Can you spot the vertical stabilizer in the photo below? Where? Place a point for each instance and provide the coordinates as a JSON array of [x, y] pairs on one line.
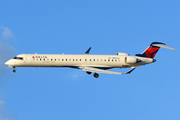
[[151, 51]]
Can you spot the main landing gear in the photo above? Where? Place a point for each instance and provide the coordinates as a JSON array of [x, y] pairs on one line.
[[95, 74], [14, 69], [88, 72]]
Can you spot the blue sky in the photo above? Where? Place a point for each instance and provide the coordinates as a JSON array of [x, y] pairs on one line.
[[71, 27]]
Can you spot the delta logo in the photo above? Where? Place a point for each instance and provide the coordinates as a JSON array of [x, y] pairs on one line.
[[39, 57]]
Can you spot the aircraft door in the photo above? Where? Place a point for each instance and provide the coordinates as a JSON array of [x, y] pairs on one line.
[[28, 59]]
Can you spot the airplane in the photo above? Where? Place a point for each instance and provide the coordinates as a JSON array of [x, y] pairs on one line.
[[89, 63]]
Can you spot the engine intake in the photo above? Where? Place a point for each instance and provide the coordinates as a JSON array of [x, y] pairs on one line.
[[123, 54]]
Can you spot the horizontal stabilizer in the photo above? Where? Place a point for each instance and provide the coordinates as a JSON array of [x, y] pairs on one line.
[[163, 46]]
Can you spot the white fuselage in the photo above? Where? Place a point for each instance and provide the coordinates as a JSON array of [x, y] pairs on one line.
[[77, 61], [89, 63]]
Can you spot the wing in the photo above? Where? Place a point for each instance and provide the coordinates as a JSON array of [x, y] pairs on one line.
[[97, 70], [87, 52]]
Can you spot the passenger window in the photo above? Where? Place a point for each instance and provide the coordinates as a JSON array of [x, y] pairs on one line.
[[51, 59], [66, 59], [44, 59], [62, 59]]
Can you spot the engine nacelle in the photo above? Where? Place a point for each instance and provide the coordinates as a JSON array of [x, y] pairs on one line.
[[124, 54], [131, 60]]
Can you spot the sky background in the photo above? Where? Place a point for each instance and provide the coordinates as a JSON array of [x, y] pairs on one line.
[[150, 92]]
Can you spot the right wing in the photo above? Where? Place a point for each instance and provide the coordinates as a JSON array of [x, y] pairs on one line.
[[87, 52]]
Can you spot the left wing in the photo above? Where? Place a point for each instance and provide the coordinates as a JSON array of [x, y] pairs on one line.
[[97, 70]]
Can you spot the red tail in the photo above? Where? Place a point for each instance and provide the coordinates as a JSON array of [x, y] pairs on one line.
[[151, 51]]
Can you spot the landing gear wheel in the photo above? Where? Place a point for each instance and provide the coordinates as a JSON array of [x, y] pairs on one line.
[[96, 75], [88, 72], [14, 69]]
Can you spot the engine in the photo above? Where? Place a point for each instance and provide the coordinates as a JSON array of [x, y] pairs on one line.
[[124, 54], [131, 60]]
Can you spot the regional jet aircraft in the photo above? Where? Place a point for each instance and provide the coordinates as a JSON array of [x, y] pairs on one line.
[[89, 63]]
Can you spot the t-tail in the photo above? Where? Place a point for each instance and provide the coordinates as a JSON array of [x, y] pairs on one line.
[[151, 51]]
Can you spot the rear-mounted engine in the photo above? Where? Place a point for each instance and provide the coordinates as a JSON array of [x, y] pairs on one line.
[[131, 60]]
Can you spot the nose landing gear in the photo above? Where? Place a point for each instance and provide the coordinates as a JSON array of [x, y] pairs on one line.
[[14, 69]]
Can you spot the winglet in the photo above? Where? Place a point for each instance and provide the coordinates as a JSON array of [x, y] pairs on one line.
[[87, 52], [130, 71]]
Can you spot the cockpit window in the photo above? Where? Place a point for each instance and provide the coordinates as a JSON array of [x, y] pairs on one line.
[[18, 58]]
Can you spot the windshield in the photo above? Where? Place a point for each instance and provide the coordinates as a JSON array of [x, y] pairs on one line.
[[19, 58]]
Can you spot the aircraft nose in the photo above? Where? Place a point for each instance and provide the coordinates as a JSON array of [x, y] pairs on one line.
[[9, 63]]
